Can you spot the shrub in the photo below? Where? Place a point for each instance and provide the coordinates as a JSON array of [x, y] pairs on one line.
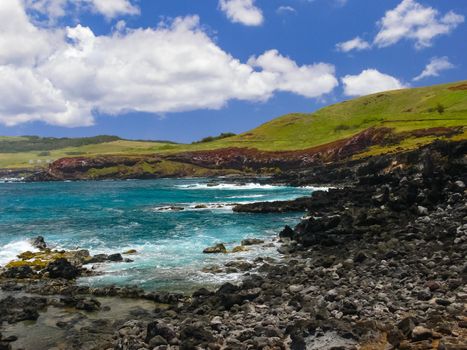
[[214, 138]]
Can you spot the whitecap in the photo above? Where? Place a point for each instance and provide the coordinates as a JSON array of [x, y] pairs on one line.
[[230, 186], [10, 251], [245, 196]]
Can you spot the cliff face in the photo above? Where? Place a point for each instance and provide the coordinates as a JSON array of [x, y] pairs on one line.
[[228, 160]]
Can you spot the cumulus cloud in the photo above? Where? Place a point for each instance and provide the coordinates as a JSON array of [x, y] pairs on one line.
[[408, 21], [113, 8], [66, 76], [436, 65], [413, 21], [368, 82], [54, 9], [286, 75], [242, 11], [357, 44]]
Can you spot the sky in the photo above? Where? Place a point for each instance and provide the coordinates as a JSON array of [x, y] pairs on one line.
[[181, 70]]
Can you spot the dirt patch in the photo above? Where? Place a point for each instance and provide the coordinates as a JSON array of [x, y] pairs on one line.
[[459, 87], [440, 131]]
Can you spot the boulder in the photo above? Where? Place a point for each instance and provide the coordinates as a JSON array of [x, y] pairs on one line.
[[239, 249], [88, 304], [421, 333], [115, 257], [157, 328], [216, 249], [287, 232], [195, 336], [62, 268], [39, 243], [252, 241], [98, 258]]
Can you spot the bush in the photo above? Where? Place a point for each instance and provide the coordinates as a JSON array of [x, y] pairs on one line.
[[341, 127], [214, 138], [439, 108]]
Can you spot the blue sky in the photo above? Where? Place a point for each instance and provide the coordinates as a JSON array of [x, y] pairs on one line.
[[184, 69]]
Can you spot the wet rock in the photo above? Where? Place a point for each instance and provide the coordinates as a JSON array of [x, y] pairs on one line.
[[39, 243], [287, 233], [88, 305], [239, 249], [157, 341], [443, 302], [13, 310], [216, 249], [115, 257], [192, 336], [19, 272], [5, 345], [159, 329], [212, 269], [130, 252], [240, 265], [62, 268], [407, 325], [421, 333], [252, 241], [98, 258]]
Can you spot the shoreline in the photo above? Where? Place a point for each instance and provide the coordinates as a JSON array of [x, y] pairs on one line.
[[379, 265]]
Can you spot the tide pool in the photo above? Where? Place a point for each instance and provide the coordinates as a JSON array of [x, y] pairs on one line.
[[169, 222]]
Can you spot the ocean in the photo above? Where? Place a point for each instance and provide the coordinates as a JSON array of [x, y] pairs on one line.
[[168, 222]]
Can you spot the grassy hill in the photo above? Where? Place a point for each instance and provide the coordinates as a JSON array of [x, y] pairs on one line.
[[403, 110]]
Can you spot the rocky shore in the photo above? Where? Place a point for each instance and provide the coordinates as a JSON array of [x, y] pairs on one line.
[[378, 263]]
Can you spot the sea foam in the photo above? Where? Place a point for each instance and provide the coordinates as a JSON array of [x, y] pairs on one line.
[[230, 186], [10, 251]]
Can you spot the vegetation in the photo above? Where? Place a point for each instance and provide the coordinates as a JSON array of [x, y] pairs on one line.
[[36, 143], [403, 110], [223, 135]]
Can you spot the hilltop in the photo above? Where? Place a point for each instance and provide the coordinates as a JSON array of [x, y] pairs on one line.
[[386, 122]]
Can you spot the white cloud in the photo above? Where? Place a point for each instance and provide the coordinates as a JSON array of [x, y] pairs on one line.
[[51, 8], [286, 75], [20, 41], [354, 44], [114, 8], [285, 9], [54, 9], [66, 76], [28, 96], [242, 11], [436, 65], [413, 21], [368, 82]]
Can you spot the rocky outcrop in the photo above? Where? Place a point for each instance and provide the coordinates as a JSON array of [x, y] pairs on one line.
[[216, 249], [231, 160]]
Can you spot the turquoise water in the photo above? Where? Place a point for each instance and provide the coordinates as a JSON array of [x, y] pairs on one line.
[[115, 216]]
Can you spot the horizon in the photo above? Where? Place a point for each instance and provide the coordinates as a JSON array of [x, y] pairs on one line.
[[250, 62]]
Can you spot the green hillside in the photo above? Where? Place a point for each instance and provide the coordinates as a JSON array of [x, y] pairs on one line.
[[403, 110]]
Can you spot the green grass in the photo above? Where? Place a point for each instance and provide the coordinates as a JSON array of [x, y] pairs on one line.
[[403, 110]]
